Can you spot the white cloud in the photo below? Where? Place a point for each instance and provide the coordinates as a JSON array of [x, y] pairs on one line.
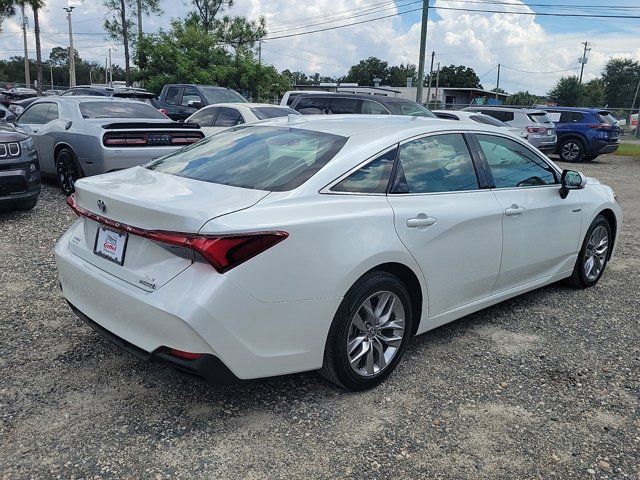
[[479, 41]]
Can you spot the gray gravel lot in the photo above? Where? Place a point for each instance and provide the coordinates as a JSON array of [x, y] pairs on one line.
[[546, 385]]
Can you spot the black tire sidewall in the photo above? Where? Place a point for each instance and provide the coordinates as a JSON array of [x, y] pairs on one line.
[[337, 342], [599, 220], [577, 142], [71, 158]]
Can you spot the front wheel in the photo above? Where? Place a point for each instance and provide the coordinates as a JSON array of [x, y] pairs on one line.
[[369, 332], [68, 171], [594, 254], [571, 150]]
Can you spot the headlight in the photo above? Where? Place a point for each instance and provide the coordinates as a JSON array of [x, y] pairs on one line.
[[27, 144]]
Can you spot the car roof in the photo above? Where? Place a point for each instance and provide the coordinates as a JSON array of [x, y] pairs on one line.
[[574, 109], [498, 108], [195, 85], [349, 125], [243, 105], [364, 96]]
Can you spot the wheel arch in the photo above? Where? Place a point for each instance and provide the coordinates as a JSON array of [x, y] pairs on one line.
[[411, 281], [613, 223], [572, 136], [61, 146]]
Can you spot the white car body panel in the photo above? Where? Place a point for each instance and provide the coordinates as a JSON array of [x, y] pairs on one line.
[[271, 315]]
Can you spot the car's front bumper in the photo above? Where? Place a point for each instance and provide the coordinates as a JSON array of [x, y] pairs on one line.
[[17, 182], [201, 311]]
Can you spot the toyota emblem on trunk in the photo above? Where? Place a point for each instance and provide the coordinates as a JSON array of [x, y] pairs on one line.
[[102, 206]]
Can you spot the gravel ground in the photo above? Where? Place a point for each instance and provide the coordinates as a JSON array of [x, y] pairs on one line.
[[543, 386]]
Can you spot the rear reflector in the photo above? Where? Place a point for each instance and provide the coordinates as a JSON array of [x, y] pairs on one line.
[[223, 252], [183, 355]]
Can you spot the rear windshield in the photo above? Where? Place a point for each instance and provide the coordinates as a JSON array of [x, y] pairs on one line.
[[272, 112], [539, 117], [261, 158], [408, 108], [130, 109], [222, 95], [486, 119], [606, 117]]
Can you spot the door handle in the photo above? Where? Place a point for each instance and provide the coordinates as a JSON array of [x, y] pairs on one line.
[[514, 210], [421, 221]]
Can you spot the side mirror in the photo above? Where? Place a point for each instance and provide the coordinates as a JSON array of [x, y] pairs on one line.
[[194, 103], [571, 180]]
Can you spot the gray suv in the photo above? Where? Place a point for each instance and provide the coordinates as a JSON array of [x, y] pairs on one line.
[[541, 130]]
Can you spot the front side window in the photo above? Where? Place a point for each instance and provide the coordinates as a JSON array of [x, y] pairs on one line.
[[261, 158], [311, 105], [222, 95], [438, 163], [343, 105], [513, 164], [370, 107], [35, 114], [204, 117], [190, 94], [228, 117], [372, 178]]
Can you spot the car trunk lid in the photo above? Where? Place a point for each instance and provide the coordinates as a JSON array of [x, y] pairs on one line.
[[117, 205]]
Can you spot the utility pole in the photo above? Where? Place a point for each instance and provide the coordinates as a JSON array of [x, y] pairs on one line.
[[423, 47], [633, 105], [105, 71], [433, 56], [437, 84], [51, 70], [72, 60], [110, 71], [583, 60], [498, 82], [259, 52], [27, 75], [139, 2]]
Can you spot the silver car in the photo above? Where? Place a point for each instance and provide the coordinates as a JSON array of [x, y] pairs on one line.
[[541, 130], [81, 136]]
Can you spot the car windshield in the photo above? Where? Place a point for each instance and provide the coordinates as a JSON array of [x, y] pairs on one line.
[[222, 95], [125, 109], [408, 108], [488, 120], [272, 112], [539, 118], [261, 158]]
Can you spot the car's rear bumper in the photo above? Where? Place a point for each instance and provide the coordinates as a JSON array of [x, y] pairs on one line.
[[606, 148], [204, 312]]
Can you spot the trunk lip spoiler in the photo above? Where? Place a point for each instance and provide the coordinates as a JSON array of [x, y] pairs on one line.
[[151, 125]]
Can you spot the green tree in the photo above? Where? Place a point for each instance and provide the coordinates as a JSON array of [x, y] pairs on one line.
[[620, 77], [568, 92], [594, 93], [119, 25], [7, 9], [398, 75], [366, 70], [456, 76], [524, 99]]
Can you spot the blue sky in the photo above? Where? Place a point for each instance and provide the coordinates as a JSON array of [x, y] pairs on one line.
[[547, 46]]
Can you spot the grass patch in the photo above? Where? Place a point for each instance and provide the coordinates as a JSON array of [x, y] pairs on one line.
[[628, 150]]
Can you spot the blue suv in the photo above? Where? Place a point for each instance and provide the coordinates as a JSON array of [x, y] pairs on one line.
[[583, 133]]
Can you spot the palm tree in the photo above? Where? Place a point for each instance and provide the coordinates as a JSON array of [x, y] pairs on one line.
[[7, 9], [36, 5]]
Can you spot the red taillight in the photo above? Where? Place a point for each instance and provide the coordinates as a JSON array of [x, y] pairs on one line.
[[536, 129], [600, 125], [184, 355], [115, 139], [223, 252]]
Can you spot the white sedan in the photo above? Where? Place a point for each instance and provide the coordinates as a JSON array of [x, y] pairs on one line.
[[220, 116], [324, 242], [478, 117]]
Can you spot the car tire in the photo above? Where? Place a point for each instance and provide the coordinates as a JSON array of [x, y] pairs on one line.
[[594, 254], [571, 150], [360, 353], [68, 170]]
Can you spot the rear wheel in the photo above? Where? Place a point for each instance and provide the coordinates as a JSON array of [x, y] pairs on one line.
[[369, 332], [593, 255], [571, 150], [68, 170]]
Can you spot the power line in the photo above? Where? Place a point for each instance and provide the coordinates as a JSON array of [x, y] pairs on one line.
[[527, 71]]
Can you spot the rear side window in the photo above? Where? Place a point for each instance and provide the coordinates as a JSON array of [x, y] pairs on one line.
[[408, 108], [487, 120], [261, 158], [542, 117], [124, 109], [438, 163], [52, 114], [372, 178], [372, 108], [343, 105], [500, 115], [228, 117], [172, 95]]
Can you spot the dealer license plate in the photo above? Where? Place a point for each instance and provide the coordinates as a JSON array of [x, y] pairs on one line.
[[111, 245]]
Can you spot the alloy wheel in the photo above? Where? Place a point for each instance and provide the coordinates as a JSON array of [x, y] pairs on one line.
[[67, 174], [596, 253], [570, 151], [375, 333]]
